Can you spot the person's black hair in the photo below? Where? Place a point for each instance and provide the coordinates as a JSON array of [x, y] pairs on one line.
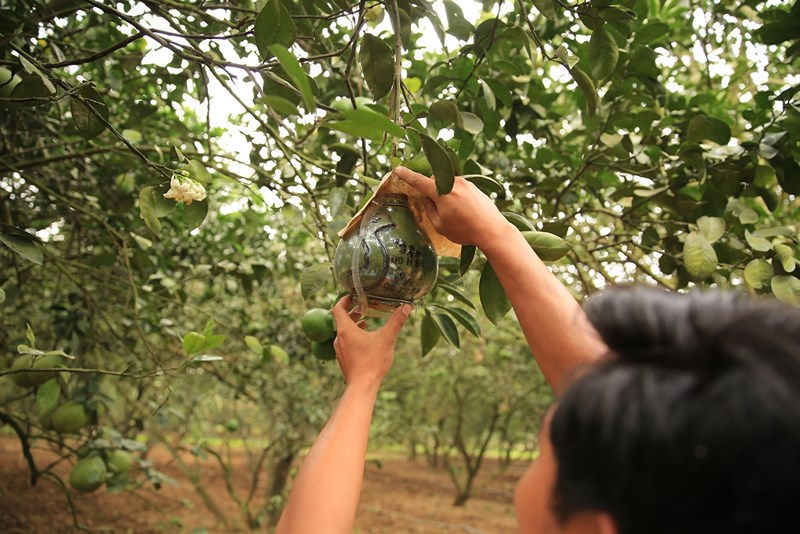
[[693, 423]]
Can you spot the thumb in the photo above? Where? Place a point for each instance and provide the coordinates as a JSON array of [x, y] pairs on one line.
[[397, 320]]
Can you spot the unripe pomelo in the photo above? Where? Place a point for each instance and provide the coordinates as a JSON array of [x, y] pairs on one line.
[[29, 380], [317, 325], [323, 351], [88, 474], [232, 425], [119, 461], [69, 417]]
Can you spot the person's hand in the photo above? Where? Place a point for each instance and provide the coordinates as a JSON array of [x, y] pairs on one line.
[[464, 215], [365, 357]]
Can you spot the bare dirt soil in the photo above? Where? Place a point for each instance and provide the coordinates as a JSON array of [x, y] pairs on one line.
[[399, 496]]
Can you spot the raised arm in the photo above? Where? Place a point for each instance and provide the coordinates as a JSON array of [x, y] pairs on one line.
[[554, 325], [325, 494]]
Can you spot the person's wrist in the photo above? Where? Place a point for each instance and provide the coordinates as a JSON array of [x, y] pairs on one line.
[[365, 383], [493, 235]]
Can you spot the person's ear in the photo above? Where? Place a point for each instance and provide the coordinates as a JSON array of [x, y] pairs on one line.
[[592, 522], [606, 524]]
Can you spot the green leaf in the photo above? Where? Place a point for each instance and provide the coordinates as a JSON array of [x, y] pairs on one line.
[[522, 224], [789, 176], [487, 184], [213, 341], [31, 337], [198, 171], [454, 161], [549, 247], [24, 349], [195, 213], [279, 355], [147, 208], [703, 128], [193, 342], [466, 319], [85, 105], [2, 296], [455, 292], [377, 65], [699, 256], [374, 119], [440, 162], [652, 31], [447, 328], [757, 242], [712, 228], [429, 333], [314, 278], [746, 214], [357, 129], [337, 198], [613, 13], [494, 300], [273, 25], [32, 87], [292, 213], [47, 396], [545, 7], [467, 255], [23, 244], [758, 273], [588, 89], [254, 345], [603, 53], [786, 256], [298, 76], [132, 136], [280, 105], [447, 110], [413, 84], [471, 123], [786, 289], [489, 95], [777, 32]]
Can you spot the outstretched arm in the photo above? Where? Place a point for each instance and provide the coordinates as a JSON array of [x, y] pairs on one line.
[[555, 327], [325, 493]]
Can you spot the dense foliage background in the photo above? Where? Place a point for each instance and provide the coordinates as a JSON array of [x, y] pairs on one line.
[[658, 138]]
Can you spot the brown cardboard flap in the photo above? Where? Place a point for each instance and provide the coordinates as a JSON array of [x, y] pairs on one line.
[[391, 184]]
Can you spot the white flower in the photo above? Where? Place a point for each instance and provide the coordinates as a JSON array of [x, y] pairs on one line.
[[185, 190]]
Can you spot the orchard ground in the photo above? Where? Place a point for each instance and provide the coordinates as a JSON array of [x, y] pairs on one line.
[[399, 496]]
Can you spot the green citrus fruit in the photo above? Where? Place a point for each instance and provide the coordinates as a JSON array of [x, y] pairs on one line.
[[69, 417], [323, 351], [317, 325], [119, 461], [232, 425], [26, 361], [88, 474]]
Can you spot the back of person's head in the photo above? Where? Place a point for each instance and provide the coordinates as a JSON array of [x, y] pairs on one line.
[[693, 424]]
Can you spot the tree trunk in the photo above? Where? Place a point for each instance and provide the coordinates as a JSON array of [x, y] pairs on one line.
[[280, 476], [461, 498], [411, 454]]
